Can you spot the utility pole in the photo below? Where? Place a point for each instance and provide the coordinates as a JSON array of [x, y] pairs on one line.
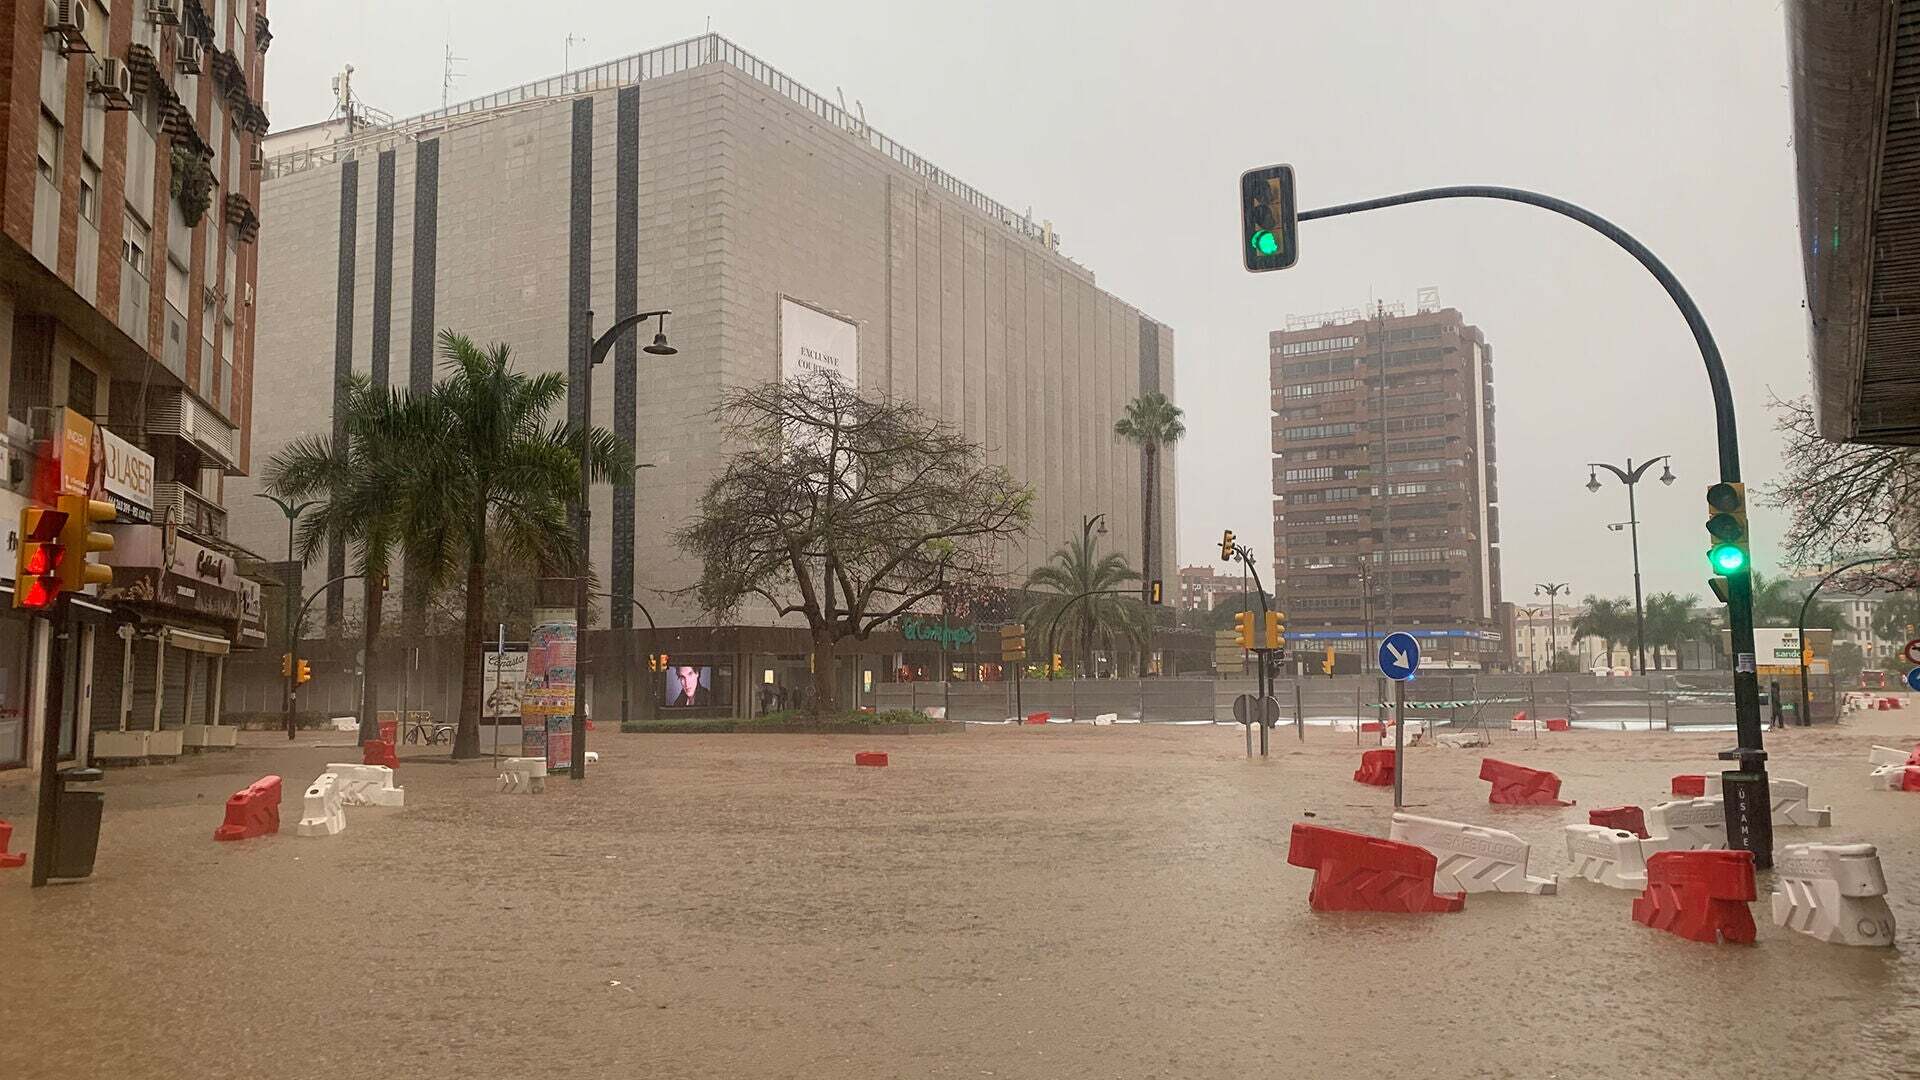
[[1386, 482]]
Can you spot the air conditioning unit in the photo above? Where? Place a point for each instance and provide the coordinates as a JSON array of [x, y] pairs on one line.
[[188, 55], [113, 81], [257, 159], [164, 12], [68, 18]]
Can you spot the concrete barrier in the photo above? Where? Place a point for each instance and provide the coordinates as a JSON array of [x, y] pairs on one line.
[[323, 815], [1687, 825], [1836, 893], [1610, 857], [1790, 806], [528, 774], [366, 785], [1472, 858], [1879, 755], [253, 811]]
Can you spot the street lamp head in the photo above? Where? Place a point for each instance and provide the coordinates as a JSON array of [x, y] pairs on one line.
[[660, 346], [1666, 474], [1102, 530], [1593, 480]]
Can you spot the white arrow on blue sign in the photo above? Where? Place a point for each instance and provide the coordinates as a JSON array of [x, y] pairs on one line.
[[1399, 656], [1913, 680]]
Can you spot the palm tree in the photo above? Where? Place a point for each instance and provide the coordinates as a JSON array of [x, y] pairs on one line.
[[1671, 623], [1609, 620], [1150, 422], [1075, 570], [1776, 602], [472, 461]]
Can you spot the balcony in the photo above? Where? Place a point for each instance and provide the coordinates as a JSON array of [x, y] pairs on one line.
[[195, 513], [173, 412]]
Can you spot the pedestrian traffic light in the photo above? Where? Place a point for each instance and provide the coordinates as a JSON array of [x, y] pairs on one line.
[[286, 664], [79, 570], [1727, 525], [1269, 233], [1276, 630], [1243, 629], [305, 676], [1013, 642], [37, 561], [1226, 546], [1153, 591]]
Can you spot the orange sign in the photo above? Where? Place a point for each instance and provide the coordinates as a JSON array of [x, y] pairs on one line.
[[71, 459]]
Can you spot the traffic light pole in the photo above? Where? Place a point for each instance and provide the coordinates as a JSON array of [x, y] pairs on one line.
[[1800, 624], [59, 624], [1748, 805], [293, 641]]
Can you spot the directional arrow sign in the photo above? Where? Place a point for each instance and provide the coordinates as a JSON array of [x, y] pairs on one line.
[[1399, 656], [1913, 680]]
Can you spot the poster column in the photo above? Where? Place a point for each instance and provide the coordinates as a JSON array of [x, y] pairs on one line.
[[546, 703]]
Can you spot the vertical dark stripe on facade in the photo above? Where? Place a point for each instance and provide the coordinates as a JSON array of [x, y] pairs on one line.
[[426, 252], [579, 272], [382, 345], [343, 360], [626, 301], [1149, 355]]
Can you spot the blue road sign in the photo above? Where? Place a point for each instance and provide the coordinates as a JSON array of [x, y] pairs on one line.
[[1399, 656], [1913, 680]]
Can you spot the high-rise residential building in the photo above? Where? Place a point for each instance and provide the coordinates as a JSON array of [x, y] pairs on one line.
[[1385, 512], [774, 224], [1203, 586], [127, 217]]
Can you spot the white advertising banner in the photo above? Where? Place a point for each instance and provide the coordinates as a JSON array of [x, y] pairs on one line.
[[813, 340], [129, 477]]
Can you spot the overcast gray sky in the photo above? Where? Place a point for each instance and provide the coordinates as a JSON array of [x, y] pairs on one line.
[[1128, 125]]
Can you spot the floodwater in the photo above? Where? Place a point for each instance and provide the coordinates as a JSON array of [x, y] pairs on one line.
[[1053, 902]]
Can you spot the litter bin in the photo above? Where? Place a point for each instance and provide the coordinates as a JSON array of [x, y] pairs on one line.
[[76, 822]]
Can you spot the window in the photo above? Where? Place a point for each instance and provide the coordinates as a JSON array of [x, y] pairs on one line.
[[90, 192], [1303, 348], [1320, 431], [138, 246], [50, 133], [176, 284], [1320, 472], [83, 388], [1332, 386]]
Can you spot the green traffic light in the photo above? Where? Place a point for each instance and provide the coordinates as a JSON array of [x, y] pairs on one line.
[[1266, 243], [1727, 559]]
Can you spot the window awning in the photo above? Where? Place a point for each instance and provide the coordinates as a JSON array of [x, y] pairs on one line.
[[200, 643]]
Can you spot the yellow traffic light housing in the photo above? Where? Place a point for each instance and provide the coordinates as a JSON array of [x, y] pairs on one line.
[[286, 664], [1226, 546], [1153, 591], [38, 562], [1326, 666], [305, 675], [1243, 629], [81, 541], [1276, 630]]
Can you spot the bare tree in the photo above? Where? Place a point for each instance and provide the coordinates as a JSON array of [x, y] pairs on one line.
[[1842, 498], [845, 510]]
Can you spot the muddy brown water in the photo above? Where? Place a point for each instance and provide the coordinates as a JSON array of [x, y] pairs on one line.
[[1052, 903]]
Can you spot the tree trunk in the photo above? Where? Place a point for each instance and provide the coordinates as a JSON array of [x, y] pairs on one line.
[[1150, 473], [370, 668], [826, 688], [473, 631]]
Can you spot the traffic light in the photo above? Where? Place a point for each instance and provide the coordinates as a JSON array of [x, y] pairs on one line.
[[1226, 546], [305, 676], [1153, 591], [1727, 525], [1013, 642], [1269, 231], [76, 533], [1276, 630], [1243, 629], [1057, 664], [37, 562], [1326, 666], [286, 664]]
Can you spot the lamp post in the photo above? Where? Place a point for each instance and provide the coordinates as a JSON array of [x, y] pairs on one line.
[[292, 510], [1630, 476], [1531, 613], [1552, 590], [1087, 534], [596, 353]]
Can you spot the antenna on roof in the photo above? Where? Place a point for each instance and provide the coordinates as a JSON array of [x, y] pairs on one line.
[[448, 74]]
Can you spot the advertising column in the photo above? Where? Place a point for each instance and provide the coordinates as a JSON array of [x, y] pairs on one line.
[[546, 702]]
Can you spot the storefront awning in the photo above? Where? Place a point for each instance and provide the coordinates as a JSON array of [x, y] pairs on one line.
[[201, 643]]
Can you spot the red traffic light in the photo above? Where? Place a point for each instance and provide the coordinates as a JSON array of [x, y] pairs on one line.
[[43, 559], [38, 596]]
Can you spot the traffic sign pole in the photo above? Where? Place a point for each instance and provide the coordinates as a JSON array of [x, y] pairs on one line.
[[1399, 741], [1399, 660]]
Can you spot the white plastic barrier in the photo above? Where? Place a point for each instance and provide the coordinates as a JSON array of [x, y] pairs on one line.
[[528, 774], [1833, 892], [1105, 718], [1891, 776], [323, 815], [1611, 857], [1472, 858], [1887, 755], [1790, 806], [1461, 740], [1687, 825], [367, 785], [593, 757]]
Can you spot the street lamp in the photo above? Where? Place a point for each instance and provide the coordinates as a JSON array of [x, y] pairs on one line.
[[293, 510], [1531, 613], [1630, 476], [1552, 590], [596, 353]]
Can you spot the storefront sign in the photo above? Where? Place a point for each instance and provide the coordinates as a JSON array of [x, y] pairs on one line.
[[11, 504], [154, 564], [129, 477], [546, 701], [66, 458], [812, 340], [922, 630]]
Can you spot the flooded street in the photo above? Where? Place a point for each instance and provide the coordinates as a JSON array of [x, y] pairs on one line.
[[1053, 903]]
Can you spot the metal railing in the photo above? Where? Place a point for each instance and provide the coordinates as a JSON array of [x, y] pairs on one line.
[[657, 63]]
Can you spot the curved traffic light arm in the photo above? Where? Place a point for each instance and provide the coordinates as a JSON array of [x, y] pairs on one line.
[[1800, 623], [1054, 623]]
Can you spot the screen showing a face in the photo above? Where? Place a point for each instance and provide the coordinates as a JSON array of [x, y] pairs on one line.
[[689, 685]]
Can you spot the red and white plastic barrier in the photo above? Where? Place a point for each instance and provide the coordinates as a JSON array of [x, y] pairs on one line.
[[524, 774], [1689, 785], [1897, 777], [1376, 768], [323, 815], [378, 752], [15, 860], [253, 811], [1699, 895], [1887, 755], [1790, 806], [366, 785], [1472, 858], [1355, 872], [1610, 857], [1628, 818], [1834, 892], [874, 758], [1687, 824], [1518, 785]]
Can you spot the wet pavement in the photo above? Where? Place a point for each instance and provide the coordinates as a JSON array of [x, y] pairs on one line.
[[1012, 902]]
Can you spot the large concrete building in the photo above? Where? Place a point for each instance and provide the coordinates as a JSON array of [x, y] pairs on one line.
[[130, 136], [1385, 511], [697, 178]]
